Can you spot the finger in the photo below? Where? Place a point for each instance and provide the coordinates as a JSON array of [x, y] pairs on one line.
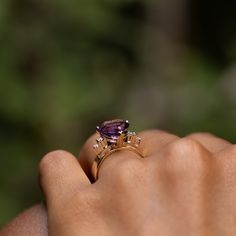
[[31, 222], [227, 163], [152, 140], [228, 153], [210, 142], [87, 155], [60, 176]]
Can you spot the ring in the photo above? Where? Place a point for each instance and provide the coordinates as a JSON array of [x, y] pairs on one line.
[[114, 136]]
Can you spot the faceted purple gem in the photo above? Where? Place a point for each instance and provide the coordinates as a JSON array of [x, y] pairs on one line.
[[113, 128]]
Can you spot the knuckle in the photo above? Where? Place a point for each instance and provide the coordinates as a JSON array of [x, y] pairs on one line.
[[52, 160], [186, 146], [186, 156]]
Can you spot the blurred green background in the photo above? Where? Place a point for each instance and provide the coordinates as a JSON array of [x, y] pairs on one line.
[[67, 65]]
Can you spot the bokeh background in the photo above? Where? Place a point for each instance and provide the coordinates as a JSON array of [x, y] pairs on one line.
[[66, 65]]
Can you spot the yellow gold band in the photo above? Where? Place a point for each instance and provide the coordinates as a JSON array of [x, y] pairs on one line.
[[114, 136], [99, 160]]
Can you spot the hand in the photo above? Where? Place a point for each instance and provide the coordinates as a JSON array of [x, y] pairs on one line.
[[183, 186]]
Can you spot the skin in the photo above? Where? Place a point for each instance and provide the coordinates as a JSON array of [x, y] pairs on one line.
[[183, 186]]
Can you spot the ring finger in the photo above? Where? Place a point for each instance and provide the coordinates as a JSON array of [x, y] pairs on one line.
[[152, 141]]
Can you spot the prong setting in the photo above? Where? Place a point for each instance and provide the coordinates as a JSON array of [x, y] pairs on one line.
[[104, 145]]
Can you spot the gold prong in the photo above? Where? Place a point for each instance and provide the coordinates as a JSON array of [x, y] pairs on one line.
[[128, 137], [120, 140], [133, 139]]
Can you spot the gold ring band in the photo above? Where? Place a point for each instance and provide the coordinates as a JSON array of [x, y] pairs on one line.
[[98, 161], [114, 136]]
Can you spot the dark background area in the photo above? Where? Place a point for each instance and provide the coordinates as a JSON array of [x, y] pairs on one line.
[[67, 65]]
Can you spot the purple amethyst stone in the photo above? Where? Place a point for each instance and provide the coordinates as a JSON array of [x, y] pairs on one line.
[[113, 129]]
